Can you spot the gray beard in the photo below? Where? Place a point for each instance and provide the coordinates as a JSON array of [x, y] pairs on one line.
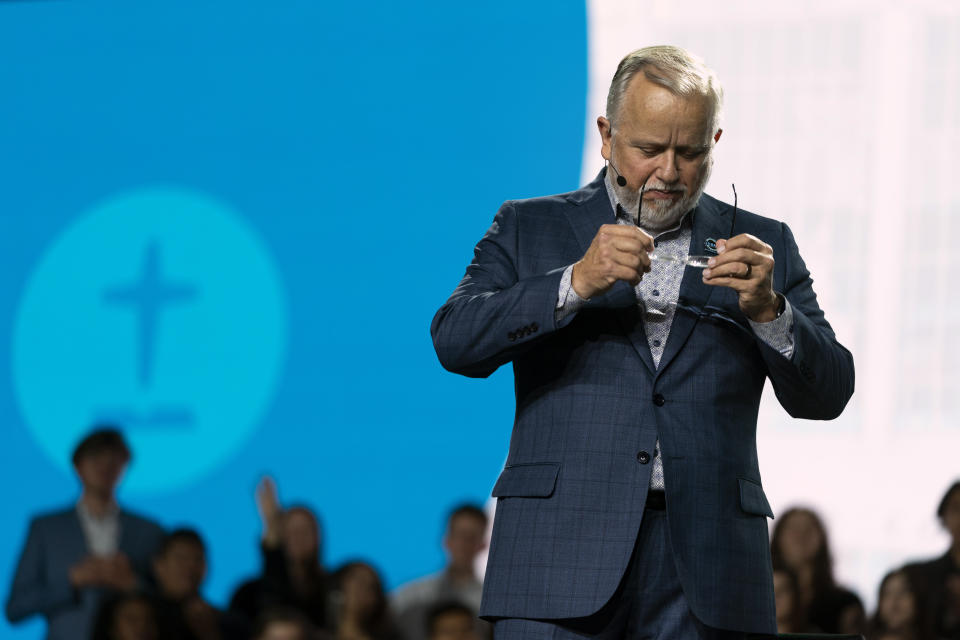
[[660, 217]]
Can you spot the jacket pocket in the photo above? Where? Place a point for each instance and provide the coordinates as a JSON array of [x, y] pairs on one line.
[[536, 480], [752, 498]]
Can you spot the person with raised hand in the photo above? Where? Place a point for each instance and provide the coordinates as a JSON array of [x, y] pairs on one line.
[[292, 574]]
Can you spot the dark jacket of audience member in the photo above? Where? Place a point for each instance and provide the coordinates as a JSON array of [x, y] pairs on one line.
[[937, 581], [293, 576], [275, 588]]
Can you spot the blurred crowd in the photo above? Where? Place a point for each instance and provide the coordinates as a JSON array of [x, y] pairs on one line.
[[918, 601], [97, 571]]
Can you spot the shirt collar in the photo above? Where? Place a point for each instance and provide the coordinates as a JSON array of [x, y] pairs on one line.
[[113, 512]]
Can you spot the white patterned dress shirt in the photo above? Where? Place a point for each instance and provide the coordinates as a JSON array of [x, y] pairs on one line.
[[657, 295]]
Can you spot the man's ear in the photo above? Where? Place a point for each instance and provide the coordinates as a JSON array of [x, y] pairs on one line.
[[603, 125], [716, 136]]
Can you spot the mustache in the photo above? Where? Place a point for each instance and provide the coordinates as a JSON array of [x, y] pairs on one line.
[[656, 185]]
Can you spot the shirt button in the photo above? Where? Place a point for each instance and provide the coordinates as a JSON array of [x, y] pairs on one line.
[[659, 400], [643, 457], [655, 292], [656, 343]]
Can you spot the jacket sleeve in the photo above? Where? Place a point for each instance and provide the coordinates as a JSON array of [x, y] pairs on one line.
[[818, 379], [31, 592], [494, 314]]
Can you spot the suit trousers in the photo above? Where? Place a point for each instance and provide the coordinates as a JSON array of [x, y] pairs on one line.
[[648, 604]]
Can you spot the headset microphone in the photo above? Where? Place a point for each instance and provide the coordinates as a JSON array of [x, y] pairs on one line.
[[620, 179], [623, 182]]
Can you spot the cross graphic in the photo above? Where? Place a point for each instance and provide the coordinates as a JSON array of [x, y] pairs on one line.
[[148, 297]]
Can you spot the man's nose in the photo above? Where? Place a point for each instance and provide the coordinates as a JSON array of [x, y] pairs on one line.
[[667, 167]]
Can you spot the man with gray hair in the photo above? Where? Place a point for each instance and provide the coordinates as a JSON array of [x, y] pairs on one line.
[[642, 319]]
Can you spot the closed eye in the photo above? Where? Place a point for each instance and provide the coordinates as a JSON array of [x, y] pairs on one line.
[[651, 151], [687, 153], [692, 154]]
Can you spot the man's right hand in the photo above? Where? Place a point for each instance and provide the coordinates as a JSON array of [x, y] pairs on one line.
[[104, 571], [618, 252], [86, 573]]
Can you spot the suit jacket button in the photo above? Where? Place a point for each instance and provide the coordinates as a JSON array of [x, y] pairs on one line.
[[643, 457], [535, 327], [512, 337], [659, 400]]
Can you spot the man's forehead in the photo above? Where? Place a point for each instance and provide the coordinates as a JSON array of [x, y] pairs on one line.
[[651, 110], [641, 131], [692, 132]]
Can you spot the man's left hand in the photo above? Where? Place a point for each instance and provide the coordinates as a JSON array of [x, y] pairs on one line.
[[745, 264], [118, 573]]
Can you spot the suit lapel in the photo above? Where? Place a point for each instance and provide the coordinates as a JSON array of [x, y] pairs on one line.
[[710, 220], [71, 538], [127, 541], [591, 210], [632, 322], [594, 210]]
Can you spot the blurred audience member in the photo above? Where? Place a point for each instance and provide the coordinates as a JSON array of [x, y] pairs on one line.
[[463, 541], [897, 616], [127, 617], [850, 616], [787, 597], [938, 581], [800, 544], [180, 567], [292, 575], [451, 621], [73, 558], [362, 612], [284, 623]]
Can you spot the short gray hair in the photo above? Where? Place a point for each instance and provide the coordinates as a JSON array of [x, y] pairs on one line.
[[677, 70]]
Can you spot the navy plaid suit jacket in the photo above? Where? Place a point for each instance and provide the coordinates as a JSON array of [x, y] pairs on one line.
[[571, 495]]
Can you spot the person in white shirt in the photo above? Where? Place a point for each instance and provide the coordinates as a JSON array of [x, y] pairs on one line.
[[458, 582], [75, 557]]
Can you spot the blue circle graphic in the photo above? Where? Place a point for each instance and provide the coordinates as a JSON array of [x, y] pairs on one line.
[[159, 310]]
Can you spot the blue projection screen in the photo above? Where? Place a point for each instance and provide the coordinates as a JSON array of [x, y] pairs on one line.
[[226, 226]]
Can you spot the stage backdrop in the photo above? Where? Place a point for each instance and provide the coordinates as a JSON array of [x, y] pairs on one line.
[[227, 225]]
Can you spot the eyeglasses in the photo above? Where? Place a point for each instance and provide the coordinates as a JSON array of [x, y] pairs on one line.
[[717, 315], [698, 262], [714, 314]]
